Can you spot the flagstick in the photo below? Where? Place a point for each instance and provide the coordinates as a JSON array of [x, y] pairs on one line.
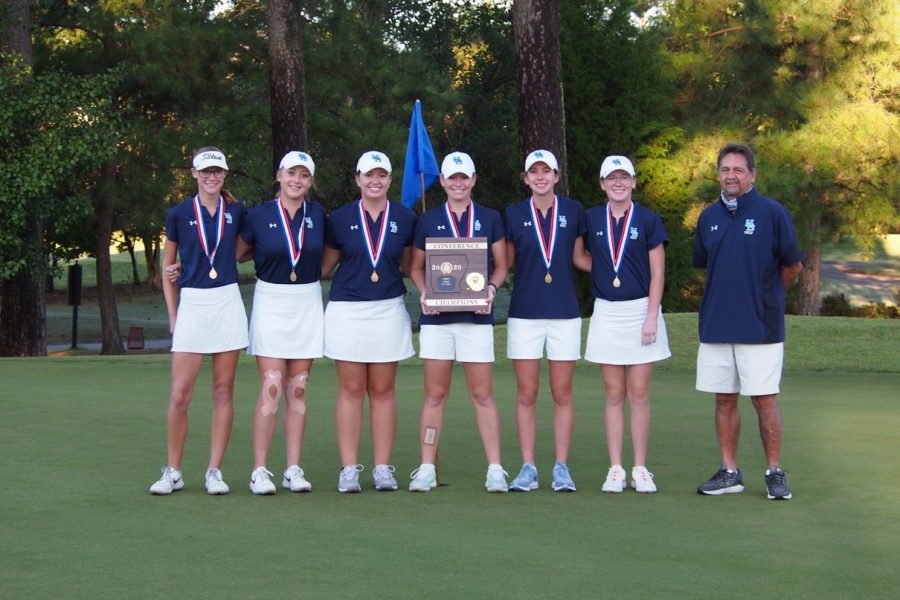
[[422, 176]]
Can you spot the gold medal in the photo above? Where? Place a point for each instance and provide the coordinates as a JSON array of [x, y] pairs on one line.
[[374, 277], [547, 278], [293, 276], [212, 273], [616, 282]]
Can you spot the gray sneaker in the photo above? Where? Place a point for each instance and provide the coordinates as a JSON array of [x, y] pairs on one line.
[[348, 480], [383, 477]]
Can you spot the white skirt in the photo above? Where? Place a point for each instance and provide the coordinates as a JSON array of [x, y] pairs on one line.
[[210, 321], [287, 321], [614, 334], [373, 331]]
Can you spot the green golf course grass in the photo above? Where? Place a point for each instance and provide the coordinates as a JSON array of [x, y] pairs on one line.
[[84, 437]]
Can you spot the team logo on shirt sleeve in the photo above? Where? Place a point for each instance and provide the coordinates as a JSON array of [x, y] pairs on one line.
[[749, 227]]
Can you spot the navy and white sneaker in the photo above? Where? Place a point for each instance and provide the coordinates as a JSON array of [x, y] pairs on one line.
[[724, 481], [776, 484]]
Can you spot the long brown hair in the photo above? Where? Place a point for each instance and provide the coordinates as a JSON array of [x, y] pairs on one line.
[[228, 196]]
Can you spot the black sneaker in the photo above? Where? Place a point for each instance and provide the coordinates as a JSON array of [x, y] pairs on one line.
[[723, 482], [776, 485]]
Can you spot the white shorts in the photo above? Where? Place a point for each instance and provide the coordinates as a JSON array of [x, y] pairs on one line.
[[373, 331], [210, 321], [527, 338], [287, 321], [465, 342], [748, 369], [614, 335]]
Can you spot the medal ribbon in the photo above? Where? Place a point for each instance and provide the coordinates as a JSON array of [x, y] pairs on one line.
[[201, 228], [374, 247], [294, 252], [617, 249], [452, 220], [545, 245]]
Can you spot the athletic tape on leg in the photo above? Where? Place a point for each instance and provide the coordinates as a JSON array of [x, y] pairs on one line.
[[296, 393], [430, 436], [270, 395]]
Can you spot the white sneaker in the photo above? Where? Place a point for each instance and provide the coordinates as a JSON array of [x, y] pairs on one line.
[[214, 484], [423, 479], [348, 479], [169, 482], [496, 479], [383, 478], [642, 480], [261, 482], [615, 480], [295, 481]]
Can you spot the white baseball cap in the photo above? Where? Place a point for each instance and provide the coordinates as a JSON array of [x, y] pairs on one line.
[[210, 158], [544, 156], [616, 163], [296, 158], [373, 159], [457, 162]]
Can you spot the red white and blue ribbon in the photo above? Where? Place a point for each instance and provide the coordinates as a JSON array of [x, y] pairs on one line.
[[294, 251], [617, 247], [453, 225], [374, 246], [546, 245], [201, 229]]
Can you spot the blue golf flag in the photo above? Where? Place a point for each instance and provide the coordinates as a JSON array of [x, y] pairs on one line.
[[420, 169]]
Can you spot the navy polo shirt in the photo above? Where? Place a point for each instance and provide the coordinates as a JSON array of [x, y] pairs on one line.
[[532, 297], [264, 231], [743, 253], [345, 233], [181, 228], [434, 224], [645, 233]]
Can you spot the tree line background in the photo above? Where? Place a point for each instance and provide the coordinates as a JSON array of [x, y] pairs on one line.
[[103, 102]]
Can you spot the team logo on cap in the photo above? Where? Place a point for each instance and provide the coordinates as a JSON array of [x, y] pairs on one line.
[[376, 158], [616, 161], [457, 160]]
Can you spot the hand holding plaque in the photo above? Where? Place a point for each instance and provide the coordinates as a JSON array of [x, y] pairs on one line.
[[456, 274]]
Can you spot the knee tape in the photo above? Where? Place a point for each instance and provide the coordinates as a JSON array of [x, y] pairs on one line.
[[296, 393], [270, 395]]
